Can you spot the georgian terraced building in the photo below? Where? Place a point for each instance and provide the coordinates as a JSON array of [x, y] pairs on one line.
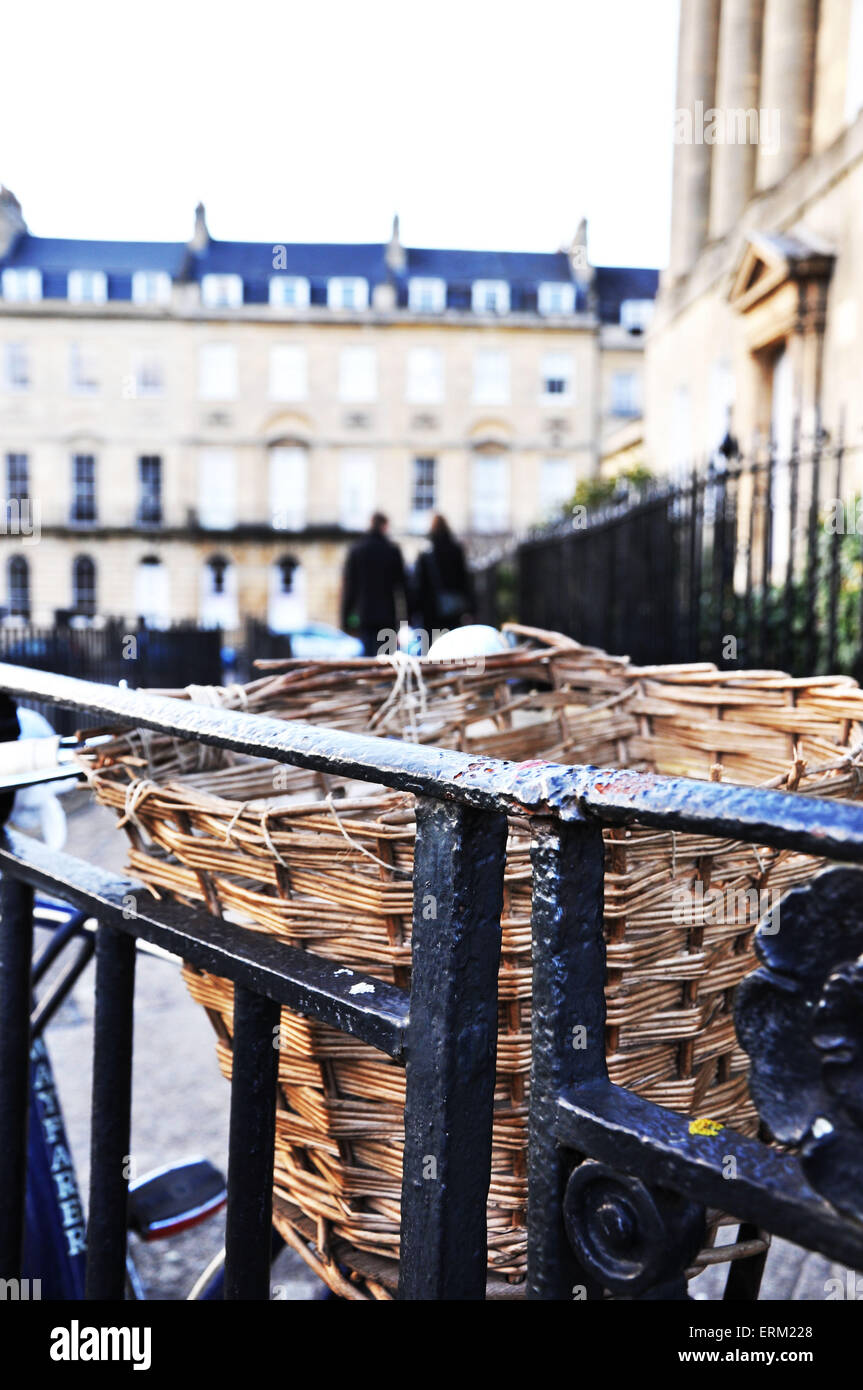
[[202, 428], [759, 318]]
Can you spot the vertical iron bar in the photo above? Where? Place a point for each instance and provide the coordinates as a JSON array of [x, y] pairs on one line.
[[251, 1146], [748, 610], [812, 561], [568, 1042], [111, 1114], [766, 656], [790, 660], [744, 1276], [16, 948], [835, 564], [452, 1044]]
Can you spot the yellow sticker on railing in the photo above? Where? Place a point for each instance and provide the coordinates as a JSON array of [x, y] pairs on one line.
[[704, 1126]]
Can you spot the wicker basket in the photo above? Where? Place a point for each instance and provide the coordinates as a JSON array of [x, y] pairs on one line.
[[325, 864]]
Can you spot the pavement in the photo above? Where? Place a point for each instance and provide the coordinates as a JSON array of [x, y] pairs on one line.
[[180, 1110]]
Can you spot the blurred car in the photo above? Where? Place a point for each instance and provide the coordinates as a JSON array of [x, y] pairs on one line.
[[323, 642]]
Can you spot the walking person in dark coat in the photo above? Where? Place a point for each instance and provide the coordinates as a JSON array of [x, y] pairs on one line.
[[444, 586], [374, 579]]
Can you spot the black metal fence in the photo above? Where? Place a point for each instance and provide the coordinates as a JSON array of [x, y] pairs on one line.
[[619, 1187], [752, 562], [114, 651]]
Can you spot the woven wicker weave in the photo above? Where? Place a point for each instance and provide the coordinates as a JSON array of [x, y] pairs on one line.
[[325, 865]]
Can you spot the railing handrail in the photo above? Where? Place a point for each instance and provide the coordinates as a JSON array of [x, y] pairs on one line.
[[785, 820]]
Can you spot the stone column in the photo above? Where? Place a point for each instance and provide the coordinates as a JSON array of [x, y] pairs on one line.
[[738, 78], [696, 81], [787, 74]]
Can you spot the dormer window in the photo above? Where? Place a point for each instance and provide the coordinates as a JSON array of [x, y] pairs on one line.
[[348, 292], [426, 295], [222, 291], [635, 315], [87, 286], [490, 297], [556, 297], [151, 287], [22, 286], [289, 291]]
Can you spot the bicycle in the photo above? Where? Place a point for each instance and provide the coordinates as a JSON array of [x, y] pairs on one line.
[[163, 1202]]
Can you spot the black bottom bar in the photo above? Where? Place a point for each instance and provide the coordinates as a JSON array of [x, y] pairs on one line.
[[252, 1146], [452, 1046], [111, 1115], [16, 947]]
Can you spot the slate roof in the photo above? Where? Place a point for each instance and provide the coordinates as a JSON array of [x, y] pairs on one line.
[[615, 283], [319, 261]]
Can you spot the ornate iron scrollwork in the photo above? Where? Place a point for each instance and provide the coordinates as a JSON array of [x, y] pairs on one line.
[[800, 1019], [630, 1237]]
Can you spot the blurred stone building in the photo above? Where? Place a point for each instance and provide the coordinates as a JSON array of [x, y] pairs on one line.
[[203, 427], [760, 312]]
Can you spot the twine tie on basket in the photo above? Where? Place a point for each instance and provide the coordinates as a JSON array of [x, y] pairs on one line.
[[136, 792], [358, 847], [265, 831], [409, 688]]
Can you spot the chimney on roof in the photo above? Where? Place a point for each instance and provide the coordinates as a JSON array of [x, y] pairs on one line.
[[200, 238], [579, 261], [394, 255], [12, 223]]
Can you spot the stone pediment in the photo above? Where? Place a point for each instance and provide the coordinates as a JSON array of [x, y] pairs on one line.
[[770, 261]]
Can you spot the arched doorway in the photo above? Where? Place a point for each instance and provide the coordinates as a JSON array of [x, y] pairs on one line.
[[218, 607], [286, 608], [152, 592]]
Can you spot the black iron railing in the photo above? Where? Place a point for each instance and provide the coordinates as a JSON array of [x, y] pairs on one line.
[[754, 563], [618, 1186]]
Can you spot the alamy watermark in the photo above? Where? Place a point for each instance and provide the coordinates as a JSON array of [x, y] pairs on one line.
[[704, 906], [727, 125], [21, 517]]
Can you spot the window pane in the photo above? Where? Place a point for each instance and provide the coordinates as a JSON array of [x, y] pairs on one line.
[[87, 286], [150, 490], [490, 296], [288, 372], [217, 489], [222, 291], [491, 377], [357, 491], [288, 481], [22, 285], [83, 488], [84, 586], [217, 379], [17, 367], [423, 492], [557, 371], [151, 287], [289, 291], [358, 374], [19, 587], [83, 370], [17, 477], [148, 377], [347, 292], [556, 485], [490, 493], [427, 295], [625, 394], [425, 376]]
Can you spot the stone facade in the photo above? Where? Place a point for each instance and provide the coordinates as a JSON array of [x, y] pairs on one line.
[[509, 405], [759, 315]]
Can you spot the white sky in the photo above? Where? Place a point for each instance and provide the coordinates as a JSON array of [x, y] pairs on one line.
[[484, 123]]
